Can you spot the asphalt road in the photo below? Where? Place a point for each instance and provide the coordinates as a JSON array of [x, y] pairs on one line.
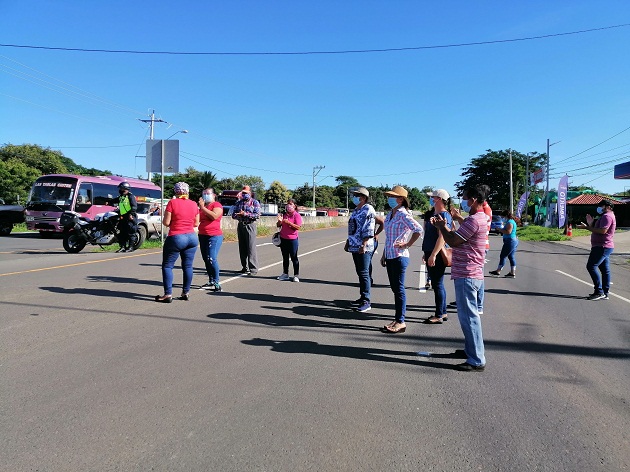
[[282, 376]]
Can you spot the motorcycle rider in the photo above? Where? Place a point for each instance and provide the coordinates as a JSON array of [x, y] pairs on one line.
[[128, 223]]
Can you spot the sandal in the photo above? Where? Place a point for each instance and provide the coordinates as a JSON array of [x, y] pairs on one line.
[[434, 320], [391, 325], [392, 330], [164, 298]]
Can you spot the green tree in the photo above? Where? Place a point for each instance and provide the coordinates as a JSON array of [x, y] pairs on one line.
[[277, 193], [493, 170], [303, 195], [418, 200], [21, 164]]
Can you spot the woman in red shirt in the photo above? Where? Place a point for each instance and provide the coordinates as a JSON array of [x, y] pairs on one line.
[[210, 236], [182, 217]]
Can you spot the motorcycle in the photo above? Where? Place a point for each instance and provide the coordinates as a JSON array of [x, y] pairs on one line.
[[101, 231]]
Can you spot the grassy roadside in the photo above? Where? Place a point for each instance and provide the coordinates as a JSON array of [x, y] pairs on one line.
[[540, 233]]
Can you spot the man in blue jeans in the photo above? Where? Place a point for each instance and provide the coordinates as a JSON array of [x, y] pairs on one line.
[[469, 246], [602, 246]]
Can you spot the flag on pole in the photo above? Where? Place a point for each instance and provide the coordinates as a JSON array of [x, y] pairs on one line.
[[522, 203], [562, 200]]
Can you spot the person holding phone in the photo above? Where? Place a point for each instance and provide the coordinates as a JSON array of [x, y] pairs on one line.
[[289, 223]]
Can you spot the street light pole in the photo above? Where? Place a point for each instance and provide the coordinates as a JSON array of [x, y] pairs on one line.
[[511, 187], [548, 202], [318, 169]]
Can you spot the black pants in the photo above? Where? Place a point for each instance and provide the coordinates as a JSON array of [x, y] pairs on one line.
[[127, 228]]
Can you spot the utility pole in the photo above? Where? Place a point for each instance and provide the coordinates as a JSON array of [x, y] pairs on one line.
[[151, 121], [548, 201], [318, 169], [511, 186], [526, 187]]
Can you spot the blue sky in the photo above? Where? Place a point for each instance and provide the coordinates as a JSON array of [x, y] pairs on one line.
[[414, 117]]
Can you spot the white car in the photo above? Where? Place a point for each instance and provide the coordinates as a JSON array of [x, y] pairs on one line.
[[149, 223]]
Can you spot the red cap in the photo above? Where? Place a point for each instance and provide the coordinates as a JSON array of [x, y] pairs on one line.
[[246, 189]]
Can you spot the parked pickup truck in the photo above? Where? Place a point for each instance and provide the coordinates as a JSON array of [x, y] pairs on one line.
[[10, 215]]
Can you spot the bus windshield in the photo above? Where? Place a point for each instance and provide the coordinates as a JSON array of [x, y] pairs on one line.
[[52, 194]]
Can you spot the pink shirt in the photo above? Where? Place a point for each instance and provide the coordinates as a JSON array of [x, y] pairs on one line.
[[183, 213], [608, 221], [209, 227], [468, 258], [286, 232]]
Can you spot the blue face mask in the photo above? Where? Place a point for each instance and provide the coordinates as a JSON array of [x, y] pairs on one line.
[[600, 210], [207, 197], [246, 196], [431, 202], [391, 201], [356, 200], [465, 206]]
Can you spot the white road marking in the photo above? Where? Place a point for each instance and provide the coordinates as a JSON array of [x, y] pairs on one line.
[[590, 284], [280, 262]]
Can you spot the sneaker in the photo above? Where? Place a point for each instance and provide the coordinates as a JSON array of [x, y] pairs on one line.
[[466, 367], [357, 302], [596, 296], [122, 249], [296, 279], [494, 273], [130, 249], [207, 286], [216, 287], [244, 270], [283, 277], [510, 275], [452, 305], [606, 297], [364, 307], [480, 312]]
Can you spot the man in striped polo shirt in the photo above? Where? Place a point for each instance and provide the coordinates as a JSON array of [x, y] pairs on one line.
[[469, 245]]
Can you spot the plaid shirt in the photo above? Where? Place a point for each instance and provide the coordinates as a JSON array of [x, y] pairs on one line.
[[251, 207], [399, 228]]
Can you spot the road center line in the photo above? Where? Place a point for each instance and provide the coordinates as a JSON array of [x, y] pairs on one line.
[[590, 284], [79, 264]]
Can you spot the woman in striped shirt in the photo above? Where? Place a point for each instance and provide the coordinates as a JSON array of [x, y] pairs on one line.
[[401, 231]]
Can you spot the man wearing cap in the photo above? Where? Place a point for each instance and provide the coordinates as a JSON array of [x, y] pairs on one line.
[[247, 211], [469, 244], [602, 245], [360, 244]]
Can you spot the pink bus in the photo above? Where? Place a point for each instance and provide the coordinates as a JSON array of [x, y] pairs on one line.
[[53, 194]]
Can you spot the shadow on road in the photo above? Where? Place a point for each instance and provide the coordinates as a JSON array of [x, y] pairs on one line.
[[350, 352], [532, 294]]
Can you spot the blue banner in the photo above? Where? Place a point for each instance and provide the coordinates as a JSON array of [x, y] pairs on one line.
[[522, 203], [562, 200]]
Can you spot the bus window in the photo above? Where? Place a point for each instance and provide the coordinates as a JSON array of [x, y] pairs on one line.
[[84, 198]]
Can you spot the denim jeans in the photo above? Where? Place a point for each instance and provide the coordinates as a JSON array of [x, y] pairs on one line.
[[436, 274], [507, 251], [289, 249], [184, 245], [396, 269], [600, 259], [467, 296], [209, 246], [362, 266]]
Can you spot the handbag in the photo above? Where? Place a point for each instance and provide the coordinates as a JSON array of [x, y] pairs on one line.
[[275, 239], [447, 256]]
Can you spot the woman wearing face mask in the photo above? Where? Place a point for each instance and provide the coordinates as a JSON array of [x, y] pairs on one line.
[[210, 237], [432, 244], [401, 231], [510, 243], [289, 224], [360, 244]]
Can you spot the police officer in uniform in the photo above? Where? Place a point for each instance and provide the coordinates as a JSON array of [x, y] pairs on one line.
[[128, 223]]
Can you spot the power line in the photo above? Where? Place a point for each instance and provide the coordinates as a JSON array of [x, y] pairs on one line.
[[303, 53], [605, 140]]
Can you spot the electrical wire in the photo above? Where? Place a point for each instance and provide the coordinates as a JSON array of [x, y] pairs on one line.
[[592, 147], [303, 53]]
